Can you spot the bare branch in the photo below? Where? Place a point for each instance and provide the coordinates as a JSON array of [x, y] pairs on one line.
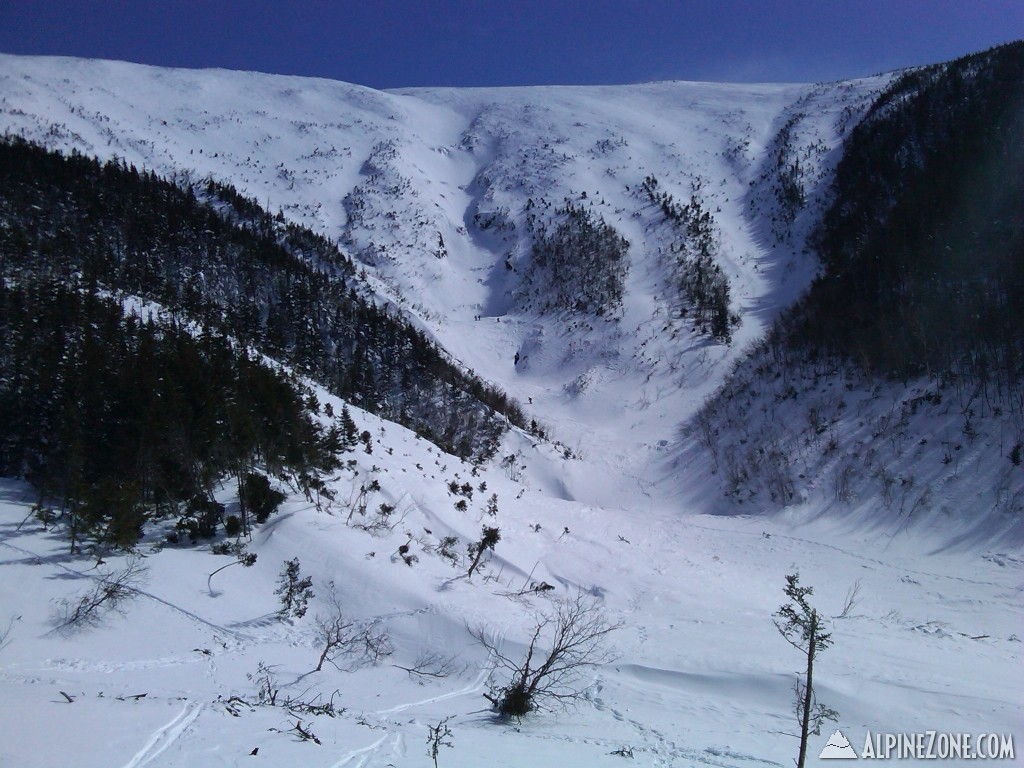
[[430, 664], [110, 591], [302, 733], [5, 634]]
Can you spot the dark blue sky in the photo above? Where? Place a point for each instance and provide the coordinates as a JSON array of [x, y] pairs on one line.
[[394, 43]]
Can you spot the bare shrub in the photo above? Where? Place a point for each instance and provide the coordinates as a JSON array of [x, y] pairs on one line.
[[109, 592], [265, 679], [268, 693], [447, 549], [777, 476], [359, 499], [340, 636], [5, 633], [842, 480], [381, 520], [852, 600], [565, 641]]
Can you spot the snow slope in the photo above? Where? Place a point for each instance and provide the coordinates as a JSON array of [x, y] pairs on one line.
[[699, 675], [392, 174]]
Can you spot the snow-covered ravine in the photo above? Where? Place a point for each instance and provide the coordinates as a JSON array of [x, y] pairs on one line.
[[394, 174], [698, 674]]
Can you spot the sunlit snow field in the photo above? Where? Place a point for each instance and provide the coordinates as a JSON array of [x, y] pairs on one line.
[[623, 507]]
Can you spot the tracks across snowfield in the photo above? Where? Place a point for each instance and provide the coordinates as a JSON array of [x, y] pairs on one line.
[[165, 737], [691, 670]]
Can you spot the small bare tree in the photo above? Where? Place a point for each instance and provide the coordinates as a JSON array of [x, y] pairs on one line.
[[800, 625], [565, 641], [243, 558], [5, 634], [109, 592], [342, 636], [852, 600]]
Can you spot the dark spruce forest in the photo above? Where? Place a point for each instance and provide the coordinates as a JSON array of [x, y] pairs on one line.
[[115, 414]]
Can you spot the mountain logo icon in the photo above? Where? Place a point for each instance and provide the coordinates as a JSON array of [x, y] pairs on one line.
[[838, 748]]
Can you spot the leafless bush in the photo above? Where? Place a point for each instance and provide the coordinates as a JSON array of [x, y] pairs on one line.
[[565, 641], [359, 499], [340, 636], [851, 601], [707, 431], [5, 633], [1009, 500], [922, 501], [735, 472], [109, 592], [268, 693], [382, 520], [887, 481], [300, 731], [777, 476], [267, 690]]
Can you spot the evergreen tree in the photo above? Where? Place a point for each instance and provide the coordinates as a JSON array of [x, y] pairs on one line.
[[294, 590]]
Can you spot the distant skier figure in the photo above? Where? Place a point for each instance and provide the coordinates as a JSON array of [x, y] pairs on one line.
[[515, 360]]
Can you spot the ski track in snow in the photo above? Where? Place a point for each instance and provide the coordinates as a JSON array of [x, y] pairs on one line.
[[474, 687], [362, 755], [166, 736]]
